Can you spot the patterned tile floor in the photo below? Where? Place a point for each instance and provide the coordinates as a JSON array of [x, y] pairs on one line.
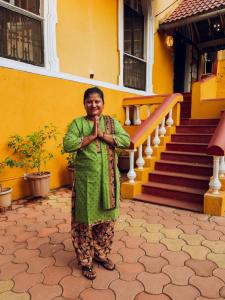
[[160, 254]]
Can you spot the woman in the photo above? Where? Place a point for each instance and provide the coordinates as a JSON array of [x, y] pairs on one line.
[[95, 201]]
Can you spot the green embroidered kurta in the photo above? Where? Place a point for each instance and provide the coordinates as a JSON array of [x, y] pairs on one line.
[[92, 180]]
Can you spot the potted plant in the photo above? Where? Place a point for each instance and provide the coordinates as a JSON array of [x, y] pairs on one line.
[[29, 152], [70, 164], [5, 193]]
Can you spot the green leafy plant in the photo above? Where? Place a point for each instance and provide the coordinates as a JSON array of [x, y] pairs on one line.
[[29, 152], [70, 156]]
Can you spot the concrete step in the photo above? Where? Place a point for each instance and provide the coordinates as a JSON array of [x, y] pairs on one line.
[[184, 167], [189, 205], [181, 179], [190, 157], [173, 191]]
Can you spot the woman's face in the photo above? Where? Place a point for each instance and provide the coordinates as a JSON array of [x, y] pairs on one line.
[[94, 105]]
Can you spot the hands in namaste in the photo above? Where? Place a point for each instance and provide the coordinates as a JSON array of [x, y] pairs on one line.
[[97, 132]]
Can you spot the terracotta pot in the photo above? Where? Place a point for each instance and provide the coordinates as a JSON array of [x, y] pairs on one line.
[[71, 171], [39, 184], [5, 197]]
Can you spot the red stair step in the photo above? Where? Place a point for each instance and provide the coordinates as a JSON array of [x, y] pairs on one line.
[[195, 128], [190, 157], [181, 179], [193, 206], [173, 191], [183, 167], [187, 147], [199, 121], [191, 138]]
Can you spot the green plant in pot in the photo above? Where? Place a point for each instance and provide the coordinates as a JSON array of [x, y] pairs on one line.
[[70, 164], [5, 193], [29, 152]]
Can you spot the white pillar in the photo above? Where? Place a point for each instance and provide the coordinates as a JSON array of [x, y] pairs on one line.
[[140, 161], [215, 183], [137, 120], [127, 122], [169, 121], [162, 130], [131, 174], [148, 149], [222, 167], [148, 110], [156, 140]]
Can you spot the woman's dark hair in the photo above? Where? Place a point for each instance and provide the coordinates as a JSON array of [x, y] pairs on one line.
[[93, 90]]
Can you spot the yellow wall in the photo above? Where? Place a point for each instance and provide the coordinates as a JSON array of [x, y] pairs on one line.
[[87, 38], [162, 76], [221, 78], [29, 101]]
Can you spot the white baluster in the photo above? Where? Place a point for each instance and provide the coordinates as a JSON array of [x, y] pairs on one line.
[[131, 174], [137, 120], [148, 149], [215, 183], [222, 167], [127, 122], [140, 161], [162, 129], [169, 121], [156, 140]]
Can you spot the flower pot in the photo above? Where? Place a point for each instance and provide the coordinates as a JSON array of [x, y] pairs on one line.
[[71, 171], [39, 183], [5, 197]]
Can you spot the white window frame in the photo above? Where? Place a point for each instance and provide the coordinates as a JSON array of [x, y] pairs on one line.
[[48, 15], [148, 42]]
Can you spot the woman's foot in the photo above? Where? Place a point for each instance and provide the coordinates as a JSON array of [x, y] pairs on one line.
[[106, 263], [88, 272]]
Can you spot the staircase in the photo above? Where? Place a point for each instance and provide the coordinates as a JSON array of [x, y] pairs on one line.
[[181, 176]]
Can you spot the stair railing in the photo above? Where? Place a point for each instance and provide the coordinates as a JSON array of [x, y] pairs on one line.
[[216, 148], [157, 124]]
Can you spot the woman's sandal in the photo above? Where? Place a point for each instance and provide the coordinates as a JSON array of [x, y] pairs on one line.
[[88, 272], [106, 263]]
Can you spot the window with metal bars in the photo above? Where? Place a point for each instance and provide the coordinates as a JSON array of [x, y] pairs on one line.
[[21, 31], [134, 63]]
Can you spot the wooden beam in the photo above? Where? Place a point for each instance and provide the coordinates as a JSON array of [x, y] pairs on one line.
[[211, 43]]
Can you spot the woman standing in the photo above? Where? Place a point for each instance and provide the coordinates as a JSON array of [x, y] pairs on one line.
[[96, 195]]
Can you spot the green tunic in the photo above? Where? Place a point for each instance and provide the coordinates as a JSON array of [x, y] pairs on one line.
[[92, 179]]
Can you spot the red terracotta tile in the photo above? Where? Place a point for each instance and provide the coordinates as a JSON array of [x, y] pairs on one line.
[[126, 290], [14, 215], [59, 237], [46, 231], [175, 258], [47, 250], [26, 221], [211, 235], [132, 242], [64, 227], [36, 242], [116, 258], [128, 271], [5, 240], [186, 220], [53, 222], [153, 264], [54, 274], [73, 286], [170, 224], [220, 273], [189, 229], [202, 268], [37, 264], [35, 226], [178, 275], [188, 292], [22, 255], [4, 259], [23, 236], [145, 296], [104, 278], [46, 292], [24, 281], [116, 246], [153, 249], [12, 247], [119, 234], [5, 224], [154, 283], [131, 255], [93, 294], [68, 245], [208, 286], [15, 229], [63, 258], [10, 269], [205, 225], [222, 292]]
